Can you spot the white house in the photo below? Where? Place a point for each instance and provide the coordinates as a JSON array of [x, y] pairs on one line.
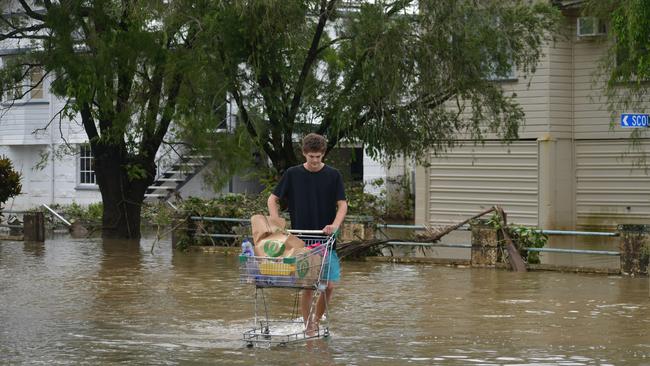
[[52, 154]]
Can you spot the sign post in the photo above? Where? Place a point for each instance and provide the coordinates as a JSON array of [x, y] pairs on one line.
[[634, 120]]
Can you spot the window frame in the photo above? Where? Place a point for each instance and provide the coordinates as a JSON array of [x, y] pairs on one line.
[[11, 96], [84, 157]]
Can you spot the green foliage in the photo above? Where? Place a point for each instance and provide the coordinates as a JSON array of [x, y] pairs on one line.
[[394, 200], [625, 69], [380, 73], [159, 214], [361, 203], [10, 185], [87, 215], [226, 206], [527, 237], [523, 237]]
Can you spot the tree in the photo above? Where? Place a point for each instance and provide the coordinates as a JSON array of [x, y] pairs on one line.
[[9, 181], [127, 69], [402, 77], [625, 69]]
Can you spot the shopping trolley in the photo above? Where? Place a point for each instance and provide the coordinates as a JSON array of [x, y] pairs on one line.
[[305, 270]]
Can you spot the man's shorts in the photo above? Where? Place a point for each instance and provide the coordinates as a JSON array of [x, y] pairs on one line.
[[332, 267]]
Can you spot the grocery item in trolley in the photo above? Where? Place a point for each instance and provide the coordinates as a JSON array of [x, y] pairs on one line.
[[302, 269], [270, 237]]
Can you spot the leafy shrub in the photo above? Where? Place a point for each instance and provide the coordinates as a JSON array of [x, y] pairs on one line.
[[523, 237], [10, 185], [395, 201]]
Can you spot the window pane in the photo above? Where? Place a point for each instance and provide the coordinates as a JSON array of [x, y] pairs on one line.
[[36, 77], [86, 165]]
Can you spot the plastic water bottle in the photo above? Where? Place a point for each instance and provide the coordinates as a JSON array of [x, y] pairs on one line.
[[251, 265], [247, 248]]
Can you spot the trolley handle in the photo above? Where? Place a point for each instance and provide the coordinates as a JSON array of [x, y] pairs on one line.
[[312, 232]]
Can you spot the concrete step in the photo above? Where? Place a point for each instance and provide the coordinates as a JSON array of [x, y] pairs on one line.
[[166, 188], [188, 165], [155, 195]]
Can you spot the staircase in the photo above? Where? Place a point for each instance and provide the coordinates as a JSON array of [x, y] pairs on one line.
[[172, 177]]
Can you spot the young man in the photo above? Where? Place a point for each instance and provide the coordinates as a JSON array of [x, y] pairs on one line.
[[315, 198]]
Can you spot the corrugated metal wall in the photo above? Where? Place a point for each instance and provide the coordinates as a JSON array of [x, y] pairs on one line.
[[473, 178], [610, 189]]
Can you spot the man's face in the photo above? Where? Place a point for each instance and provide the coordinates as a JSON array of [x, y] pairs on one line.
[[313, 159]]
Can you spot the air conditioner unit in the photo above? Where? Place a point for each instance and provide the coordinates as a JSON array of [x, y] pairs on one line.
[[590, 27]]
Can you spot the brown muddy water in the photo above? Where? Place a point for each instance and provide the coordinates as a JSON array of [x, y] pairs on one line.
[[99, 302]]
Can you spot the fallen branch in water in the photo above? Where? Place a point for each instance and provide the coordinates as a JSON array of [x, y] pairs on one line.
[[431, 235], [355, 247], [434, 234], [514, 258]]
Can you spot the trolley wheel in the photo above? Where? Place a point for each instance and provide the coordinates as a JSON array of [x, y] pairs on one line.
[[249, 344]]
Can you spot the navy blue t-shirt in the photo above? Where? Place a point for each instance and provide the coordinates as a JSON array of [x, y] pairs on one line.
[[311, 196]]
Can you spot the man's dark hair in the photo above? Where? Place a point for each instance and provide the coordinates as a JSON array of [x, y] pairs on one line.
[[313, 143]]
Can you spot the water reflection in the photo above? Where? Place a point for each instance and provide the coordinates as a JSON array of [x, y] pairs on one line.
[[98, 302], [34, 249]]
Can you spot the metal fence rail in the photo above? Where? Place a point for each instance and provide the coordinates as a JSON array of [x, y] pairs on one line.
[[469, 246], [444, 245]]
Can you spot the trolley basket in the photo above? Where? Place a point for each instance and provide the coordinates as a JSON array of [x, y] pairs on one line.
[[305, 269]]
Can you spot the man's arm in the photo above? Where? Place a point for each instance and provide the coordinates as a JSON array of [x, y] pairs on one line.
[[273, 204], [341, 211]]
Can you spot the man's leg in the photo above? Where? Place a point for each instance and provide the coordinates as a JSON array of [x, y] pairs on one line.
[[323, 303], [305, 305]]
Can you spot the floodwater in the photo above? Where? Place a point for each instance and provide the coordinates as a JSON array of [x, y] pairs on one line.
[[100, 302]]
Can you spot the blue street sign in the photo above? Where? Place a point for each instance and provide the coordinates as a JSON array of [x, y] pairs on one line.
[[634, 120]]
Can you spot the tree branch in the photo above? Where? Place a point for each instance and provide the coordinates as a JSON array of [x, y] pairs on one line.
[[331, 43], [167, 115], [29, 11], [153, 104], [21, 32], [88, 122], [326, 9], [397, 6]]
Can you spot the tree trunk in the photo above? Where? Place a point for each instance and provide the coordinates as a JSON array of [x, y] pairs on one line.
[[122, 197]]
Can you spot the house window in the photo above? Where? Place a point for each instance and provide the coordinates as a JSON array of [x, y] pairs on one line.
[[505, 75], [36, 84], [29, 88], [627, 67], [86, 165]]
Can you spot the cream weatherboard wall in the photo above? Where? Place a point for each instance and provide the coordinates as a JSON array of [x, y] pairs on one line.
[[570, 169], [612, 182], [473, 178], [611, 188]]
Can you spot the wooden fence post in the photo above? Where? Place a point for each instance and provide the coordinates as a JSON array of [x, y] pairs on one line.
[[634, 246], [34, 226], [484, 244]]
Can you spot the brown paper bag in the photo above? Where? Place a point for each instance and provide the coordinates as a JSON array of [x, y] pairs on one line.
[[271, 239], [308, 265], [263, 226]]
